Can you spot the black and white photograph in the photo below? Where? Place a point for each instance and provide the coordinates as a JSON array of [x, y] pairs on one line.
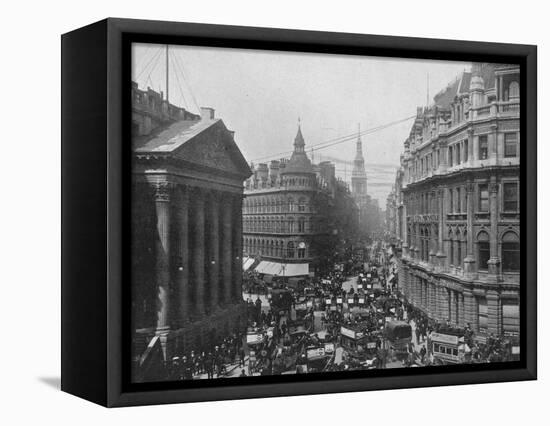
[[299, 212]]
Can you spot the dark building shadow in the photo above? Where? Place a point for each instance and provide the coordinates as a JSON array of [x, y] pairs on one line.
[[54, 382]]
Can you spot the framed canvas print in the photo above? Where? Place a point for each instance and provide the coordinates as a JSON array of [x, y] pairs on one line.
[[253, 212]]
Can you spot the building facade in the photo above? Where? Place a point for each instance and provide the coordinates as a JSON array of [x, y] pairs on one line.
[[456, 203], [187, 190], [291, 222]]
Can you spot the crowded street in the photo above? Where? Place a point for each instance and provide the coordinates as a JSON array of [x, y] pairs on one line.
[[354, 318]]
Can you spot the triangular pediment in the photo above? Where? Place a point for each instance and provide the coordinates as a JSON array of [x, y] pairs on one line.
[[214, 148]]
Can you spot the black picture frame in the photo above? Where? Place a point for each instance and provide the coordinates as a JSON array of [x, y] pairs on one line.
[[95, 209]]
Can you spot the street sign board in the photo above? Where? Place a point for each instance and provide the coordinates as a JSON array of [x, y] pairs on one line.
[[347, 332], [313, 353], [444, 338], [254, 338], [329, 348]]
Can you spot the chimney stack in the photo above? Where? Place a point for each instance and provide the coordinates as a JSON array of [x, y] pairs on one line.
[[207, 113]]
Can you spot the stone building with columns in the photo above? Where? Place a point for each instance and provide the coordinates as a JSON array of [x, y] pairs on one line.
[[456, 203], [186, 200], [295, 212]]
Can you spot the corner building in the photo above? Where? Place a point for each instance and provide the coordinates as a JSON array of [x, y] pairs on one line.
[[292, 214], [456, 203]]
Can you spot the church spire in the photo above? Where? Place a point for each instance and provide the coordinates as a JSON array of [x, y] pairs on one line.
[[359, 151], [359, 175]]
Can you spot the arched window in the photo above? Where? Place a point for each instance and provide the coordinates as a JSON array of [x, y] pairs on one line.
[[302, 250], [483, 251], [291, 225], [290, 249], [301, 225], [302, 204], [451, 248], [510, 252], [513, 90]]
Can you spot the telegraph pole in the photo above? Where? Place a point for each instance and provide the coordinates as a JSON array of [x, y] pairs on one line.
[[167, 75]]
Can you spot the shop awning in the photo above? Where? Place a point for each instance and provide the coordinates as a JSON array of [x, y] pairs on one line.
[[296, 269], [283, 269], [265, 267], [247, 263]]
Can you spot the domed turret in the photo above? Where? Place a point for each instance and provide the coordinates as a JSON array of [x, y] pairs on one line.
[[299, 162]]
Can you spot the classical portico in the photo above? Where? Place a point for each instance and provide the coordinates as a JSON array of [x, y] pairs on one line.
[[187, 213]]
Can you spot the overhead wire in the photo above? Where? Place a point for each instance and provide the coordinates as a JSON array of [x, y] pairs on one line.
[[185, 80], [178, 83], [155, 55], [154, 65], [332, 142]]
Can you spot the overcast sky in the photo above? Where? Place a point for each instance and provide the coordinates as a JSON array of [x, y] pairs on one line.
[[261, 94]]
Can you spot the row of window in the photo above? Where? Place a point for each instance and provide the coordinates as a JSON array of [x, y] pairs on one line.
[[277, 224], [275, 248], [454, 304], [509, 249], [426, 203], [274, 205], [510, 197], [286, 182], [458, 153]]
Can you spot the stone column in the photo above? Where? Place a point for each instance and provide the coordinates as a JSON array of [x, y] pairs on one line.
[[237, 248], [417, 243], [469, 261], [475, 153], [460, 297], [493, 313], [226, 253], [470, 143], [494, 260], [436, 310], [422, 292], [492, 145], [441, 249], [398, 223], [446, 304], [163, 195], [405, 245], [470, 309], [453, 313], [213, 248], [182, 260], [198, 278], [439, 302], [433, 301]]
